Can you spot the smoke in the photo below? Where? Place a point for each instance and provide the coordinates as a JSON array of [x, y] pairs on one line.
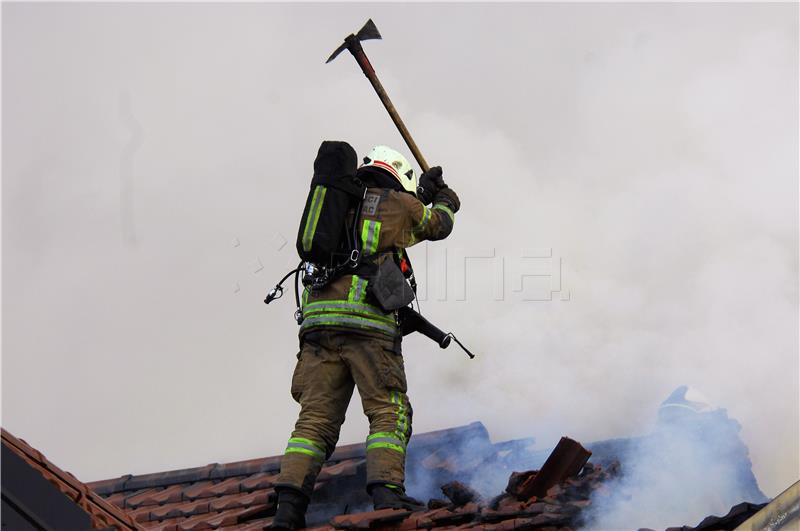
[[691, 466], [656, 186], [468, 457], [651, 147]]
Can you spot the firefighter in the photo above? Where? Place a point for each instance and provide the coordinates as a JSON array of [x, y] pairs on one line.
[[347, 340]]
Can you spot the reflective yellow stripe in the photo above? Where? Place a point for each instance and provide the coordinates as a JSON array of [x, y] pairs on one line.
[[385, 437], [358, 289], [309, 442], [299, 445], [426, 216], [446, 210], [370, 235], [386, 445], [304, 451], [313, 216], [402, 419], [349, 321], [347, 308]]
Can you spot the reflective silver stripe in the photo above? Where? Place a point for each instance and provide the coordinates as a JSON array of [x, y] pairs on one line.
[[359, 288], [370, 237], [341, 320], [309, 447]]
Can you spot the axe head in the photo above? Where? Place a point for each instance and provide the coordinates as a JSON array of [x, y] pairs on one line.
[[369, 31]]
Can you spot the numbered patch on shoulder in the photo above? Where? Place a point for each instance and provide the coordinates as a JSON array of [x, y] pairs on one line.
[[370, 205]]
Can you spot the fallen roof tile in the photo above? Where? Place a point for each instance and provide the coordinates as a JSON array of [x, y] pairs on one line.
[[517, 480], [459, 493], [567, 459]]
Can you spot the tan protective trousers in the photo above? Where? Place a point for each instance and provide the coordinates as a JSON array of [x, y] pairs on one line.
[[330, 364]]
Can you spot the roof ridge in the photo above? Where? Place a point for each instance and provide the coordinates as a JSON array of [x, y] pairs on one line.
[[101, 512]]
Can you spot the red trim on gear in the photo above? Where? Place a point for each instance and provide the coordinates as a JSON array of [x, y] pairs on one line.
[[389, 167]]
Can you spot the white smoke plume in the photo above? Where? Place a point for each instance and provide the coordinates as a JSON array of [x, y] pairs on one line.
[[692, 465]]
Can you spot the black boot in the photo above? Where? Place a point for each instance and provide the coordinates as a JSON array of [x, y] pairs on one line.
[[385, 497], [291, 513]]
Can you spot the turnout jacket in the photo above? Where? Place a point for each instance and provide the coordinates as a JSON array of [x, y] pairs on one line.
[[389, 221]]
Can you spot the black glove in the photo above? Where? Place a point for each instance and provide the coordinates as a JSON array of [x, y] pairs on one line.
[[448, 197], [430, 182]]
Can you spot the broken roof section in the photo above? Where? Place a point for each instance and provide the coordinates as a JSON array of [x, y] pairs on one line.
[[557, 489], [241, 495]]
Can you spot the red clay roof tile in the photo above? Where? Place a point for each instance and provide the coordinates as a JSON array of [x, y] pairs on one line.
[[197, 490], [168, 525], [367, 520], [102, 513], [254, 525], [232, 501], [180, 509], [154, 497], [118, 499], [240, 496], [261, 480]]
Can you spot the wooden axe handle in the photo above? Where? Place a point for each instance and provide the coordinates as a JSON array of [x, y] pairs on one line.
[[361, 58]]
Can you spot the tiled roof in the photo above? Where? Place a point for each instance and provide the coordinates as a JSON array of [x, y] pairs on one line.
[[101, 513], [240, 496]]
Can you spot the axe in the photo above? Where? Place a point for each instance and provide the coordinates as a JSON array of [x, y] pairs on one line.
[[353, 43]]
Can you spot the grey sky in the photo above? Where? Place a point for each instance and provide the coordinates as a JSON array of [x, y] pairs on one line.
[[653, 147]]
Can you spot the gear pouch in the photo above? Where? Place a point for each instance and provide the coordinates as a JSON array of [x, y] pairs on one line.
[[389, 287]]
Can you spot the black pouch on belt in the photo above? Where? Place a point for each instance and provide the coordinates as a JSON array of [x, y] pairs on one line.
[[389, 287]]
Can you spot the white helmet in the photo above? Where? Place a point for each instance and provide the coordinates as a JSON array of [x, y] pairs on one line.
[[392, 161]]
